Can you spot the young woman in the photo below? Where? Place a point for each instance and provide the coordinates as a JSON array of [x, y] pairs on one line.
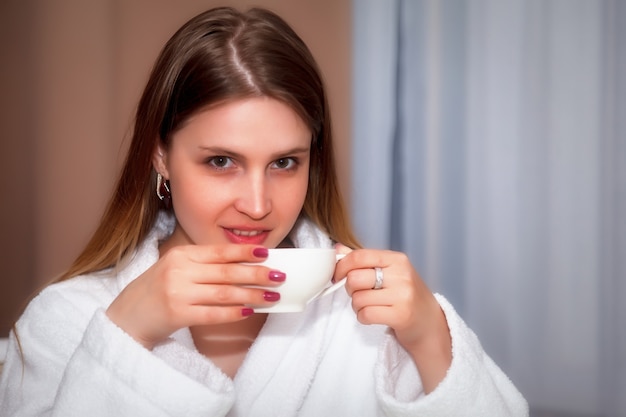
[[232, 154]]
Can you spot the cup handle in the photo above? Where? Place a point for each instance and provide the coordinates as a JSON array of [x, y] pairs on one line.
[[331, 289], [335, 286]]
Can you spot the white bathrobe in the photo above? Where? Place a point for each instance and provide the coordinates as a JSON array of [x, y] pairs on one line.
[[320, 362]]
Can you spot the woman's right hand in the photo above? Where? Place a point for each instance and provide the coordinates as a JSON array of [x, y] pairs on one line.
[[194, 285]]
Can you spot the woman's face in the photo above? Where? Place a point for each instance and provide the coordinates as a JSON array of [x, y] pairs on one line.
[[238, 173]]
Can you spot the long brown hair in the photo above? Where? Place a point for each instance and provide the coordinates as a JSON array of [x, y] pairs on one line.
[[219, 55]]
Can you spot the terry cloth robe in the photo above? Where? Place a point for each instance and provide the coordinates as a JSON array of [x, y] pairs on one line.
[[320, 362]]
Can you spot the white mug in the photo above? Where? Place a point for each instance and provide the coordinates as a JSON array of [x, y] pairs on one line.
[[309, 272]]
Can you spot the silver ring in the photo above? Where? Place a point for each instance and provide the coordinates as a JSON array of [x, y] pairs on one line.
[[379, 279]]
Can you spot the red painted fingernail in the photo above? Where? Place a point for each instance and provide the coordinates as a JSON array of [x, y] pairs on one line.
[[271, 296], [247, 312], [260, 252], [277, 276]]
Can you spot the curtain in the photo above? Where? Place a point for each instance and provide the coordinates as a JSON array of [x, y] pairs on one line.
[[490, 146]]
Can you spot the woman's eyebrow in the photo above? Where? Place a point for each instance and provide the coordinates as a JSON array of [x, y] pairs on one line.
[[218, 150], [229, 152]]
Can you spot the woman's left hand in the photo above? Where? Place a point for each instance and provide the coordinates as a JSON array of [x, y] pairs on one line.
[[404, 303]]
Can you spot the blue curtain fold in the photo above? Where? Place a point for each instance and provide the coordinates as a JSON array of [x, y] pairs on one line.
[[490, 146]]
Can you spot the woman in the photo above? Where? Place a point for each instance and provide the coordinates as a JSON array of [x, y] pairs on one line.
[[231, 155]]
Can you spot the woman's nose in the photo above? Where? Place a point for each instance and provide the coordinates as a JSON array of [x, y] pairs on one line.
[[254, 197]]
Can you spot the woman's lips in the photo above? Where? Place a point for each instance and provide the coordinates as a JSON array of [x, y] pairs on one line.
[[251, 236], [248, 233]]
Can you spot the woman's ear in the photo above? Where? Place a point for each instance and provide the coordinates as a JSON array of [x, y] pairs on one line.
[[159, 160]]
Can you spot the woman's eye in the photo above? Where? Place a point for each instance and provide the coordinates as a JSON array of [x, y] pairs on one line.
[[285, 163], [220, 162]]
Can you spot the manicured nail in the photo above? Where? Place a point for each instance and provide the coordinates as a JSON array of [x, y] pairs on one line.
[[260, 252], [271, 296], [247, 311], [277, 276]]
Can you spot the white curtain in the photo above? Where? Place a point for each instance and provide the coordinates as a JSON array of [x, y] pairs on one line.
[[490, 146]]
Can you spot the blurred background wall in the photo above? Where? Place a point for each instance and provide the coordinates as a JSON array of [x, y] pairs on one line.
[[71, 75]]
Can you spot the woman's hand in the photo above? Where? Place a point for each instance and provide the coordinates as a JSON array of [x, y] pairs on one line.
[[404, 303], [193, 285]]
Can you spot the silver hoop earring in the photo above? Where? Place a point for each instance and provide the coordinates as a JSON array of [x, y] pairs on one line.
[[163, 191]]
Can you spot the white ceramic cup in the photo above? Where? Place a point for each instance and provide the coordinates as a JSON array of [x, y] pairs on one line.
[[309, 272]]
